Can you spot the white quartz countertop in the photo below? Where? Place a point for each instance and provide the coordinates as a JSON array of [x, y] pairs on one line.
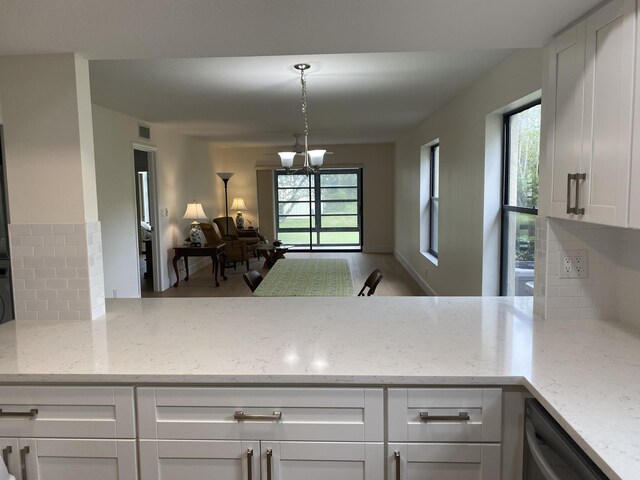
[[586, 373]]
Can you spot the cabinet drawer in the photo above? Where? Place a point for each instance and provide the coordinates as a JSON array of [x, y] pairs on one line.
[[64, 412], [434, 415], [302, 414], [437, 461]]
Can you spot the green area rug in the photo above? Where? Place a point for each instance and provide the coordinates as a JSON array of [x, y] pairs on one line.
[[307, 278]]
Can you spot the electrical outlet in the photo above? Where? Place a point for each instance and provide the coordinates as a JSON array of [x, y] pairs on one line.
[[573, 264]]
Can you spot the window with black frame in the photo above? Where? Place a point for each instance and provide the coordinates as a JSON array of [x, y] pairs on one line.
[[434, 198], [321, 210], [520, 199]]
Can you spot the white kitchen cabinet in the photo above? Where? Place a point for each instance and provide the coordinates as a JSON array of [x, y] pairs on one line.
[[192, 460], [53, 433], [261, 433], [590, 86], [62, 459], [241, 460], [444, 433], [443, 461]]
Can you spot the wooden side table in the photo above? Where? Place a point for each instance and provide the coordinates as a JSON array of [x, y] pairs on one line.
[[215, 251]]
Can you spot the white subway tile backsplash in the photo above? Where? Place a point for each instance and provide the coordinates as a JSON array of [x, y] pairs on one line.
[[51, 269], [612, 289]]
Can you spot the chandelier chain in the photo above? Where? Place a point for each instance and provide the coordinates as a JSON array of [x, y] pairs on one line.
[[304, 103]]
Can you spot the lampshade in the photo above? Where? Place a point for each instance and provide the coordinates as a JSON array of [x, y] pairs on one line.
[[316, 157], [286, 158], [238, 204], [195, 212], [225, 175]]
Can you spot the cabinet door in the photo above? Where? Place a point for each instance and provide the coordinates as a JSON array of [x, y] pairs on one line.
[[608, 113], [11, 456], [321, 461], [62, 459], [199, 460], [443, 461], [565, 87]]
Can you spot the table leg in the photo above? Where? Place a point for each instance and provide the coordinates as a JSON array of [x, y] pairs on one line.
[[214, 260], [175, 269], [222, 262], [186, 268]]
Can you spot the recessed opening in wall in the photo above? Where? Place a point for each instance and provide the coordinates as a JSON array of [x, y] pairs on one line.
[[521, 155], [429, 199]]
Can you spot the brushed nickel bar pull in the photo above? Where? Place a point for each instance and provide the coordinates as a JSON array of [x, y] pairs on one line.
[[31, 413], [249, 463], [577, 210], [396, 454], [570, 176], [240, 415], [425, 417], [23, 462], [269, 456], [5, 454]]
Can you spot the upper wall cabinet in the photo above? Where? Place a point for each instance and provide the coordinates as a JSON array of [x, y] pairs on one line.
[[590, 86]]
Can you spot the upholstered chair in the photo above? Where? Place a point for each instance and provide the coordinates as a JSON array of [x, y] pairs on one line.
[[249, 236], [235, 250]]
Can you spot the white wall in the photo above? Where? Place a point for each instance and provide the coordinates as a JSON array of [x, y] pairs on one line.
[[185, 171], [376, 161], [49, 155], [461, 126]]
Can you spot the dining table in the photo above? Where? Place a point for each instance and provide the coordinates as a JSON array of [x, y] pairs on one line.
[[296, 277]]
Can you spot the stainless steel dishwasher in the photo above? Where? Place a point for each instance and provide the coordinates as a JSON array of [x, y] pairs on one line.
[[549, 452]]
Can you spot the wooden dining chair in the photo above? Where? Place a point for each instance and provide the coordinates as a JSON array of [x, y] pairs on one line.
[[253, 279], [371, 283]]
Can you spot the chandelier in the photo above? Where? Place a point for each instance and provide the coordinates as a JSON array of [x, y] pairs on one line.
[[312, 158]]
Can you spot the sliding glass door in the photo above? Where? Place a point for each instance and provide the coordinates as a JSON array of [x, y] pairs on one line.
[[321, 211]]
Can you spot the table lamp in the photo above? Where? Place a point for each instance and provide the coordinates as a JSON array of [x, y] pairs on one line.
[[195, 212], [238, 204]]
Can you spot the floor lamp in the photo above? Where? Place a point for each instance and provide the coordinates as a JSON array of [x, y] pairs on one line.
[[225, 176]]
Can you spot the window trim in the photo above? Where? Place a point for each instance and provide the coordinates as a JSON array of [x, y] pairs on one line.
[[432, 150], [505, 208]]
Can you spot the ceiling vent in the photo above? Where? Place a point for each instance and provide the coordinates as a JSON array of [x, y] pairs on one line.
[[144, 132]]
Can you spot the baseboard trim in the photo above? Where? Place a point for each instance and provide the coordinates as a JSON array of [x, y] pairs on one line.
[[426, 288]]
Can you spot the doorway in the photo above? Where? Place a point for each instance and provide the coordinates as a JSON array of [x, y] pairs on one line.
[[146, 215]]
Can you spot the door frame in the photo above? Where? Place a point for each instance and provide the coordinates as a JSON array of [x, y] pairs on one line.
[[154, 210]]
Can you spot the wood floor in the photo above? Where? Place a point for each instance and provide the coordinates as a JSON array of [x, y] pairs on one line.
[[396, 281]]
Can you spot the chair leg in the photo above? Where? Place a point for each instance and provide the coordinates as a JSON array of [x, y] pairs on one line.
[[247, 264]]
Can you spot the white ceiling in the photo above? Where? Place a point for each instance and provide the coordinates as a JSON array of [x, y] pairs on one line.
[[360, 90]]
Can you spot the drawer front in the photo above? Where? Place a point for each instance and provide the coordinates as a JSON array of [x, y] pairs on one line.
[[443, 461], [287, 414], [440, 415], [66, 412]]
